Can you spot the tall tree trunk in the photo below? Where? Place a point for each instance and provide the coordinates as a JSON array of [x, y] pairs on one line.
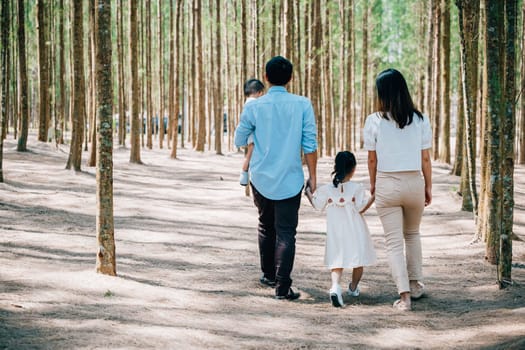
[[133, 54], [161, 77], [244, 41], [275, 27], [201, 107], [22, 67], [175, 95], [422, 27], [522, 115], [92, 93], [149, 72], [364, 73], [143, 90], [62, 76], [436, 78], [219, 100], [484, 142], [444, 148], [296, 52], [469, 28], [508, 132], [105, 228], [171, 76], [430, 52], [344, 85], [75, 151], [192, 135], [495, 36], [327, 86], [460, 131], [308, 38], [316, 72], [121, 77], [43, 64], [350, 66], [4, 83]]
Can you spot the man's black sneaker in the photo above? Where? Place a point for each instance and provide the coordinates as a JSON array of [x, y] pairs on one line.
[[290, 296], [266, 281]]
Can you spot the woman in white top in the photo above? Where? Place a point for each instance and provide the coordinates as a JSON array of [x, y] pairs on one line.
[[398, 139]]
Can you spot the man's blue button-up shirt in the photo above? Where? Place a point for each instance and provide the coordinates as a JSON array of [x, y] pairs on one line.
[[282, 123]]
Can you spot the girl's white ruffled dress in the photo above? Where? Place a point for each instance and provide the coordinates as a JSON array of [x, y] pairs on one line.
[[348, 240]]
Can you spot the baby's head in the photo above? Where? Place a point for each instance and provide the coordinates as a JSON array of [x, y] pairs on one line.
[[344, 165], [253, 88]]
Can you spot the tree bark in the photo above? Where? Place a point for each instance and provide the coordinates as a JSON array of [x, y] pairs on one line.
[[121, 77], [522, 91], [22, 68], [316, 72], [364, 73], [508, 133], [93, 84], [326, 82], [444, 147], [460, 131], [149, 99], [494, 12], [133, 54], [469, 28], [218, 79], [62, 76], [43, 64], [75, 151], [201, 107], [174, 81], [4, 83], [436, 78], [161, 77], [106, 263]]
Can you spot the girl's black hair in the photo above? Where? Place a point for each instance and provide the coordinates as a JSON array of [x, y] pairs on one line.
[[344, 164], [394, 98]]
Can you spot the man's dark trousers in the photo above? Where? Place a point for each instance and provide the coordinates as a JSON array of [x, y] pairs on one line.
[[277, 228]]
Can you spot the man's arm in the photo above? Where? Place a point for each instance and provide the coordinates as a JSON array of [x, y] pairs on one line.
[[372, 171], [243, 130], [311, 164]]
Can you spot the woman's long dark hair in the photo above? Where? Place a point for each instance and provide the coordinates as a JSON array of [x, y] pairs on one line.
[[344, 164], [394, 98]]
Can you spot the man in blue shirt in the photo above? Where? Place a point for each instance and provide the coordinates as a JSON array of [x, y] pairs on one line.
[[282, 124]]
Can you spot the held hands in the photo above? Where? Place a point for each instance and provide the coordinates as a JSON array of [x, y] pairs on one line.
[[308, 192], [312, 184], [368, 205]]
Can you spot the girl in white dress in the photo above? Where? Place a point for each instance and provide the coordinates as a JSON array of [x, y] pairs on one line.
[[348, 241]]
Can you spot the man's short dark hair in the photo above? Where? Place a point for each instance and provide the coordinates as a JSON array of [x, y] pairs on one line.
[[279, 71], [253, 86]]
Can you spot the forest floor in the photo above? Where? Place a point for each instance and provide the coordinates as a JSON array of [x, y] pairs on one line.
[[188, 266]]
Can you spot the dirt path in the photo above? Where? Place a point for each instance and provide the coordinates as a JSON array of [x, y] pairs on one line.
[[188, 266]]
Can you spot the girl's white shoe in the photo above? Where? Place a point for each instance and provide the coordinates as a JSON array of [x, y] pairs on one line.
[[353, 293], [336, 296]]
